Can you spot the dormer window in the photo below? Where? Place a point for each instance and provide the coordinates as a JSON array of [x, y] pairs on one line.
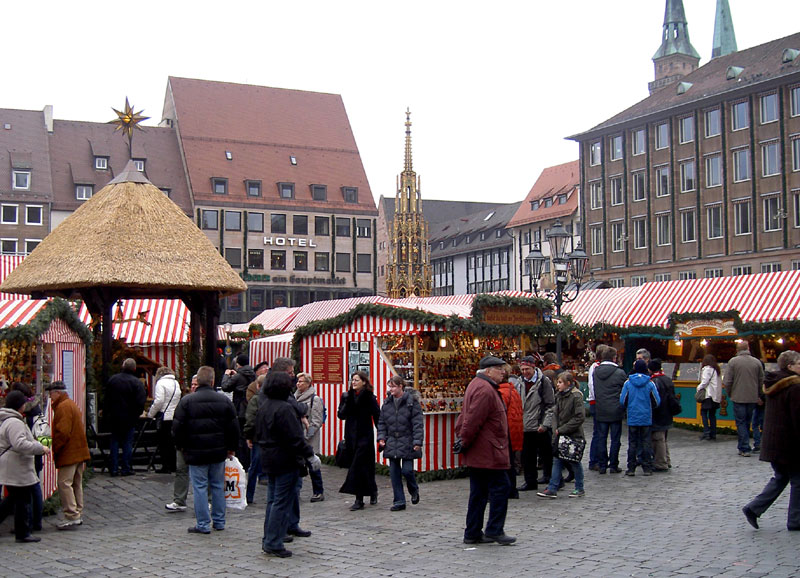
[[319, 192], [498, 233], [441, 244], [466, 239], [350, 194], [21, 180], [219, 186], [483, 236], [101, 163], [253, 188], [286, 190], [534, 205], [548, 202], [562, 199], [139, 164], [83, 192]]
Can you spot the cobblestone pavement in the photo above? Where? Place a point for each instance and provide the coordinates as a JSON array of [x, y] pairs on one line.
[[686, 522]]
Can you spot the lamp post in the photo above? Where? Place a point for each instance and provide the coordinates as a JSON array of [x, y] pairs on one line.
[[566, 267], [228, 349]]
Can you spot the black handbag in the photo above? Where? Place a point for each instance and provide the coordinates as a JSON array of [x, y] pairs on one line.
[[343, 458], [570, 449]]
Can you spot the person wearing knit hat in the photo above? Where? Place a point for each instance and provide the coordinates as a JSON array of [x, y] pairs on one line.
[[635, 396]]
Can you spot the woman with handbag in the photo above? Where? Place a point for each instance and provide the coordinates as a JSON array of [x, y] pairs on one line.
[[166, 395], [709, 395], [359, 409], [568, 419]]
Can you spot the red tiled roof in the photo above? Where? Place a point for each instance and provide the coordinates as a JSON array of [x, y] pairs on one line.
[[560, 179], [262, 128]]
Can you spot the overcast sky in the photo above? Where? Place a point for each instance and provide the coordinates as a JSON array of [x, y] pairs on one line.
[[493, 87]]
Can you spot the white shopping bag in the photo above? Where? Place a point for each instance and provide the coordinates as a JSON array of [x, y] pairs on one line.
[[235, 484]]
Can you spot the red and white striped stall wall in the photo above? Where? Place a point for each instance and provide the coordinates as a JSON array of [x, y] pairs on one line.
[[269, 348], [439, 428], [7, 264]]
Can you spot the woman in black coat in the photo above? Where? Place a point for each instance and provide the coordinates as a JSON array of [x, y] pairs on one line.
[[359, 409]]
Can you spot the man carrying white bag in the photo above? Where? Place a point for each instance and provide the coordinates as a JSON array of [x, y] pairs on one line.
[[235, 484]]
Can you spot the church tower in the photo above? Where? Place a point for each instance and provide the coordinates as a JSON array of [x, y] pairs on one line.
[[409, 271], [724, 36], [676, 57]]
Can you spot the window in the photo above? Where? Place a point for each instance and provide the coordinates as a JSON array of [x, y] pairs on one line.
[[234, 257], [770, 157], [301, 260], [796, 154], [772, 213], [83, 192], [534, 205], [8, 214], [21, 180], [617, 282], [343, 262], [31, 244], [342, 227], [770, 267], [769, 108], [796, 205], [319, 192], [615, 144], [233, 221], [277, 260], [33, 215], [740, 115], [322, 262], [101, 163], [363, 263], [617, 237], [350, 195], [741, 165], [8, 246], [233, 303], [714, 221], [713, 273], [363, 228], [661, 277], [794, 100], [562, 200], [594, 153], [166, 191], [286, 190], [795, 265], [322, 226], [139, 165], [741, 218], [596, 194], [688, 228], [741, 270], [253, 188], [639, 233], [687, 176], [638, 280], [662, 181], [662, 135], [664, 229], [209, 220], [255, 222], [687, 129], [638, 186], [617, 198], [219, 186], [597, 239], [256, 299], [713, 171], [255, 258], [277, 224], [686, 275], [638, 141], [713, 122], [548, 202]]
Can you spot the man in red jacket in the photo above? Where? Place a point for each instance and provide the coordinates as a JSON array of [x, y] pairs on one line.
[[70, 451], [483, 429]]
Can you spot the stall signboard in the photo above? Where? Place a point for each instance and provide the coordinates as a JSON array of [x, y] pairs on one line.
[[705, 328], [327, 365], [512, 316]]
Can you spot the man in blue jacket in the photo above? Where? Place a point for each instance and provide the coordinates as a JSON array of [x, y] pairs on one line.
[[635, 396]]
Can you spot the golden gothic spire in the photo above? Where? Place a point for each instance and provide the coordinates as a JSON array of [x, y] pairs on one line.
[[409, 253]]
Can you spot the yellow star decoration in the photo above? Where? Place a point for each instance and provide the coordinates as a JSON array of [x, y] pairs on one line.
[[128, 120]]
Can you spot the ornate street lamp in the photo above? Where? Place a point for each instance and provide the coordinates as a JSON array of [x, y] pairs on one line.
[[566, 268]]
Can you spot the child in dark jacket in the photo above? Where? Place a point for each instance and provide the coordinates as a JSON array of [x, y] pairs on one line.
[[635, 396]]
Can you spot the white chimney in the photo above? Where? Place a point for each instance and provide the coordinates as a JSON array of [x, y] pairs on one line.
[[48, 117]]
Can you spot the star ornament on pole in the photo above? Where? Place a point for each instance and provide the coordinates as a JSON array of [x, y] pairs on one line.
[[127, 120]]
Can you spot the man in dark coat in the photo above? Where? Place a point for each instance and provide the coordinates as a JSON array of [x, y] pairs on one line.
[[608, 381], [284, 451], [237, 381], [483, 429], [781, 441], [206, 430], [123, 404]]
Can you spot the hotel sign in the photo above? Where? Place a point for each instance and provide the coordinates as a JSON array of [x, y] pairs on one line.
[[290, 241], [705, 328]]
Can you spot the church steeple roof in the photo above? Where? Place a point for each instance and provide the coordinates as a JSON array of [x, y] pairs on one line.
[[408, 165], [675, 36], [724, 35]]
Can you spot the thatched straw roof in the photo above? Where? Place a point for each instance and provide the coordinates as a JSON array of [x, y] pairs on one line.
[[130, 236]]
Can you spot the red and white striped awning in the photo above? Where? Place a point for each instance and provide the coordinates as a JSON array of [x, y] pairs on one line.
[[7, 264], [601, 305], [758, 298], [275, 318], [269, 348], [148, 321], [15, 312]]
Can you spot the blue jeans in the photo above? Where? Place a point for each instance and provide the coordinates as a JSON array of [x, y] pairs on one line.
[[640, 448], [783, 476], [758, 425], [555, 479], [398, 469], [281, 493], [204, 477], [604, 459], [743, 415], [294, 509], [126, 440], [486, 486], [316, 481], [593, 447], [254, 472]]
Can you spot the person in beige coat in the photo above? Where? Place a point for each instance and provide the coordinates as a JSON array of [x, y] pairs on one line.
[[316, 418]]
